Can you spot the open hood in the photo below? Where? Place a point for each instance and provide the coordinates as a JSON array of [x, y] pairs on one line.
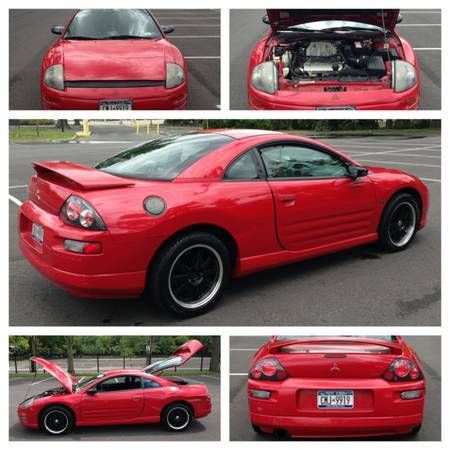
[[178, 358], [53, 369], [282, 18]]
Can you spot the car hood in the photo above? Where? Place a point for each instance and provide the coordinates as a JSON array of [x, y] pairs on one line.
[[178, 358], [281, 18], [60, 374], [102, 60]]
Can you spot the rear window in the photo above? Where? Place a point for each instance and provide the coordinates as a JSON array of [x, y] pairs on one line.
[[163, 158]]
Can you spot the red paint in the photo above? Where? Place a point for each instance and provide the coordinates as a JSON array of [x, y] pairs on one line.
[[337, 363], [335, 214], [367, 95], [114, 60], [134, 406]]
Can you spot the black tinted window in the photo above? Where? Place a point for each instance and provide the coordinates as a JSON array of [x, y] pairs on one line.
[[121, 383], [292, 161], [149, 384], [163, 158], [112, 24], [243, 168]]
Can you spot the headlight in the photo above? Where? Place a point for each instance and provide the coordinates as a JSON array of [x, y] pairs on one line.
[[175, 75], [265, 78], [27, 403], [404, 75], [54, 77]]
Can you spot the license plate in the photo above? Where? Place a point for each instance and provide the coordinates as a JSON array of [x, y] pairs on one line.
[[37, 233], [115, 105], [335, 399]]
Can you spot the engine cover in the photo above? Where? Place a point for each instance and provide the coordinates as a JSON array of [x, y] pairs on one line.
[[322, 65], [321, 49]]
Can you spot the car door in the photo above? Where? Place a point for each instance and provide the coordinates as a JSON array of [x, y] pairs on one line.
[[317, 204], [114, 399]]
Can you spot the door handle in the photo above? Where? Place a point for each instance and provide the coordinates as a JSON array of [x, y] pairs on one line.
[[136, 398], [287, 199]]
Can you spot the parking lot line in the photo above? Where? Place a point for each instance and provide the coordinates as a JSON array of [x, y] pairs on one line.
[[42, 381], [238, 374], [399, 163], [399, 152], [19, 186], [424, 49], [430, 179], [15, 200], [193, 37], [202, 57]]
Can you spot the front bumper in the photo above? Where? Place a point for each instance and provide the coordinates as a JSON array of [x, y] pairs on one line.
[[158, 97], [379, 99], [119, 271], [28, 417], [378, 409]]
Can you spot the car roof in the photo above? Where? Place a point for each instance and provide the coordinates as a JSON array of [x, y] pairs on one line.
[[242, 133]]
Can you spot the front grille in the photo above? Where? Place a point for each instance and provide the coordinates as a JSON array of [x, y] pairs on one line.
[[114, 83]]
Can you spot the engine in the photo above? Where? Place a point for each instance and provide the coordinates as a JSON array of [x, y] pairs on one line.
[[322, 60]]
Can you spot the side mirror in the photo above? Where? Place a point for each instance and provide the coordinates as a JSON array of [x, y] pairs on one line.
[[58, 29], [167, 29], [355, 172], [265, 19], [399, 18], [92, 391]]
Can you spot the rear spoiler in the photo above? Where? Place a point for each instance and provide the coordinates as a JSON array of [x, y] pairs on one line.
[[85, 178], [277, 345]]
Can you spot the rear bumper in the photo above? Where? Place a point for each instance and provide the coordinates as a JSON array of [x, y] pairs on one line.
[[202, 408], [378, 408], [119, 271], [157, 97], [315, 427], [378, 99]]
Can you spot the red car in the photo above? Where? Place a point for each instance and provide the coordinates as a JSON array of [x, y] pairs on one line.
[[333, 59], [175, 217], [118, 397], [113, 59], [346, 386]]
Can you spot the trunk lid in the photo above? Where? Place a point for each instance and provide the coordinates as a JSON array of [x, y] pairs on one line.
[[281, 18], [114, 60], [178, 358], [335, 357], [57, 372], [56, 180]]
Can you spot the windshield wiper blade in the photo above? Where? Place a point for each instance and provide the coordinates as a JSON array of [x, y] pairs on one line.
[[81, 38], [127, 36]]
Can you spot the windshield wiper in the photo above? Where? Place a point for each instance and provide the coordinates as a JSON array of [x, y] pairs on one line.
[[127, 36], [81, 38]]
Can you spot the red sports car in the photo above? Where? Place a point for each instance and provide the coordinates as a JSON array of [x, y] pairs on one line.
[[333, 59], [118, 397], [113, 59], [346, 386], [174, 217]]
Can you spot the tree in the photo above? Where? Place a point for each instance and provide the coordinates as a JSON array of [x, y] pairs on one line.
[[214, 364], [33, 346], [69, 344]]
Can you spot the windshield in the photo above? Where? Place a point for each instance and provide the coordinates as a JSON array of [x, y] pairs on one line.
[[113, 24], [83, 382], [381, 338], [163, 158], [333, 25]]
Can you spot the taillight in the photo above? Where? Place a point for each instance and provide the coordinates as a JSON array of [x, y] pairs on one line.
[[80, 213], [268, 369], [402, 369]]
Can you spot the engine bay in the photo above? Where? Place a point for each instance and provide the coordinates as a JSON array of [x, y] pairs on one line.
[[342, 60]]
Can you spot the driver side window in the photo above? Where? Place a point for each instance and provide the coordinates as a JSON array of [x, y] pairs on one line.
[[294, 161], [121, 383]]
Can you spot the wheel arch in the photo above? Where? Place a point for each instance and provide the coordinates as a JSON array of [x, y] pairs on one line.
[[221, 233], [182, 402], [405, 190], [60, 404]]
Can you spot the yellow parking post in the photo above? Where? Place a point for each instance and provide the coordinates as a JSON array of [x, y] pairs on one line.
[[86, 131]]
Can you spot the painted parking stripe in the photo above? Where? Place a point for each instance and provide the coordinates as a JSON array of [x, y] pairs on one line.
[[239, 374], [243, 349], [202, 57], [18, 186], [400, 163], [194, 37], [42, 381], [436, 180], [15, 200], [395, 151], [424, 49]]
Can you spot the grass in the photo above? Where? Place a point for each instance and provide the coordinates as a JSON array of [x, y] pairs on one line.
[[33, 134], [178, 373]]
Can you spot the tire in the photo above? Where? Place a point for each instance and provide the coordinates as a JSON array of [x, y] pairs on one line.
[[56, 420], [415, 430], [191, 266], [398, 224], [176, 417], [257, 429]]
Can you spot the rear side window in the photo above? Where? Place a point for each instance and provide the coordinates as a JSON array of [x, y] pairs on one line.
[[294, 161], [150, 384], [244, 168], [163, 158]]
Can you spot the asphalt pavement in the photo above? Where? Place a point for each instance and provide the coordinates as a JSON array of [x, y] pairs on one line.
[[361, 286], [204, 429], [197, 35], [242, 349], [420, 27]]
